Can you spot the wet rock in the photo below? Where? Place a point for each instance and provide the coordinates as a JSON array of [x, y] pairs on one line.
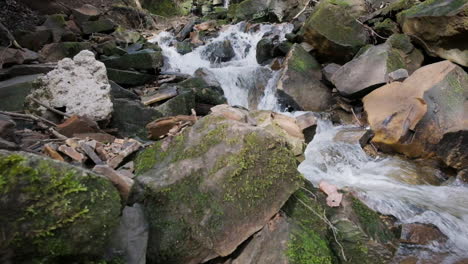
[[102, 25], [77, 125], [131, 238], [265, 50], [130, 78], [16, 56], [421, 234], [398, 75], [7, 127], [120, 92], [161, 127], [34, 40], [203, 91], [220, 51], [182, 104], [368, 71], [85, 13], [25, 69], [208, 76], [452, 148], [79, 85], [184, 47], [441, 27], [359, 136], [333, 31], [413, 117], [257, 86], [140, 60], [56, 51], [84, 205], [308, 123], [329, 70], [130, 117], [299, 85], [14, 91], [202, 165]]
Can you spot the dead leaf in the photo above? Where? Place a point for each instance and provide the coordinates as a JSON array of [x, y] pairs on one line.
[[334, 197]]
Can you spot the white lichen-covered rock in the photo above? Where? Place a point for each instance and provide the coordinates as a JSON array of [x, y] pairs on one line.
[[80, 86]]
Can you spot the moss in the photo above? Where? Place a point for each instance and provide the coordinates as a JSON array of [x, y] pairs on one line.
[[363, 50], [401, 42], [394, 61], [370, 221], [432, 8], [342, 3], [166, 8], [53, 209], [398, 6], [387, 26], [301, 61]]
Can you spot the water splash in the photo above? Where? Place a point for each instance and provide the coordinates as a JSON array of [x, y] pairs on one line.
[[382, 184]]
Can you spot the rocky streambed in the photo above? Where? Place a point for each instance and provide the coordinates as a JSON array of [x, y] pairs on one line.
[[280, 131]]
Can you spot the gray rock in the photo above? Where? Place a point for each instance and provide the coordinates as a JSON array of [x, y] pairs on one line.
[[119, 92], [85, 13], [140, 60], [185, 32], [265, 49], [398, 75], [14, 91], [220, 51], [26, 69], [359, 136], [182, 104], [184, 47], [130, 78], [329, 70], [103, 25]]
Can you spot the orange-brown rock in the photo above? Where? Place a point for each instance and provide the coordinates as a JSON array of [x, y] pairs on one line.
[[412, 117]]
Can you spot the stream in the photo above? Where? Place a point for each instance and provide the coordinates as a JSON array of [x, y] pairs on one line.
[[386, 185]]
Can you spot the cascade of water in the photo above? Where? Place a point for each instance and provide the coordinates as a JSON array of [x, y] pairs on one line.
[[226, 3], [380, 182], [236, 76]]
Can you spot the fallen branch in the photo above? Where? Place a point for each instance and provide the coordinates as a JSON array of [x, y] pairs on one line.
[[57, 134], [28, 116], [304, 9], [10, 36], [357, 119], [51, 108], [370, 29]]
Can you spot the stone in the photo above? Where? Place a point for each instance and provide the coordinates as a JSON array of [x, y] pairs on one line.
[[130, 117], [16, 56], [441, 27], [122, 183], [220, 51], [203, 184], [160, 95], [329, 70], [184, 47], [299, 85], [7, 127], [125, 37], [34, 40], [161, 127], [185, 32], [231, 113], [413, 117], [182, 104], [452, 148], [58, 26], [140, 60], [308, 123], [25, 69], [398, 75], [80, 85], [119, 92], [8, 145], [130, 78], [167, 8], [99, 137], [85, 206], [353, 136], [85, 13], [99, 26], [368, 71], [203, 91], [56, 51], [110, 48], [129, 147], [14, 91], [77, 125], [333, 31], [72, 153], [208, 76], [265, 49], [421, 234]]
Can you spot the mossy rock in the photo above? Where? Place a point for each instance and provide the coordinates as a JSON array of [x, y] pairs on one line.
[[51, 211], [57, 51], [216, 184], [102, 25], [167, 8], [334, 32], [257, 10], [204, 93], [140, 60]]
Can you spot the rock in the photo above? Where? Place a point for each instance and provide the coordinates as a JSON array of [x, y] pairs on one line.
[[413, 117], [80, 208], [421, 234], [16, 56], [359, 136], [333, 31], [34, 40], [440, 26], [72, 153], [160, 95], [7, 127], [265, 50], [132, 18], [25, 69], [220, 51], [130, 117], [102, 25], [126, 37], [185, 32], [452, 148], [167, 8], [57, 51], [80, 85], [131, 238], [203, 91], [208, 76], [129, 147], [182, 104], [184, 47], [120, 92], [130, 78], [299, 84], [121, 182], [8, 145], [308, 123], [329, 70], [14, 91], [231, 113], [110, 48], [58, 25], [216, 160], [140, 60], [161, 127], [257, 85], [85, 13], [368, 71], [398, 75], [412, 56], [77, 125]]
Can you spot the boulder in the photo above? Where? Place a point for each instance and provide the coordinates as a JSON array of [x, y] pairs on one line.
[[205, 194], [110, 48], [203, 91], [140, 60], [7, 127], [182, 104], [184, 47], [220, 51], [130, 78], [85, 13], [79, 85], [53, 211], [119, 92], [130, 17], [333, 31], [126, 37], [56, 51], [299, 86], [265, 10], [34, 40], [167, 8], [265, 50], [102, 25], [25, 69], [57, 24], [412, 117], [440, 26], [16, 56], [14, 91]]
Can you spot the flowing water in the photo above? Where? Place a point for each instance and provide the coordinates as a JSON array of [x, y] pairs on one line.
[[383, 183]]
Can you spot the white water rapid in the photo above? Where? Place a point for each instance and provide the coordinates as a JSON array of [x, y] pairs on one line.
[[383, 183]]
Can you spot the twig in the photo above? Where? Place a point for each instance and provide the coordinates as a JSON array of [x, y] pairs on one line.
[[50, 108], [325, 219], [10, 36], [370, 29], [311, 193], [354, 114], [194, 113], [304, 9], [57, 134], [33, 117]]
